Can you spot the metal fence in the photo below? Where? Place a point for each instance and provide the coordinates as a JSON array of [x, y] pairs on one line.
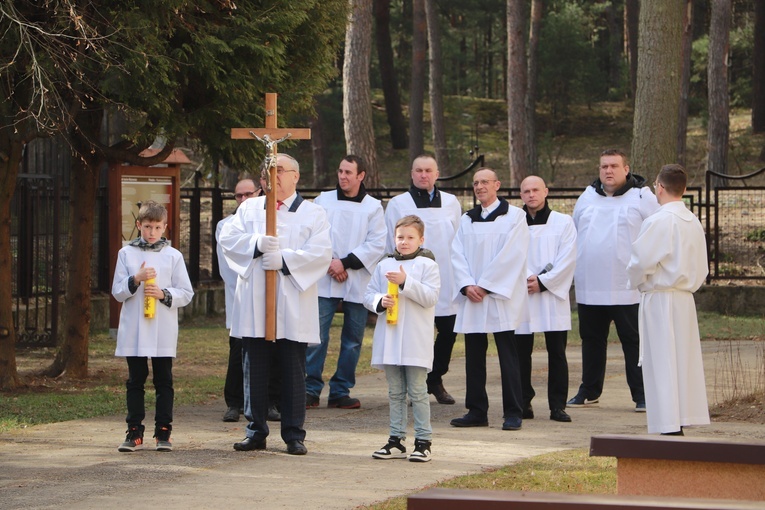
[[734, 219]]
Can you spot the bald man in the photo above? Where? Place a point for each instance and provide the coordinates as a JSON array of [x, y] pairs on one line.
[[550, 270]]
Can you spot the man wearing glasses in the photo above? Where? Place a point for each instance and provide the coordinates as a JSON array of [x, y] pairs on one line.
[[608, 216], [489, 258], [300, 255], [233, 390]]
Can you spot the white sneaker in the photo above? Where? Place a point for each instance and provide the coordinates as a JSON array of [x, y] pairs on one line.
[[393, 450], [421, 451]]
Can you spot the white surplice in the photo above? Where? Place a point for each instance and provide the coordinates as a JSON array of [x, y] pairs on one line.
[[668, 264], [306, 250], [410, 341], [228, 275], [158, 336], [606, 227], [492, 255], [440, 225], [358, 228], [551, 243]]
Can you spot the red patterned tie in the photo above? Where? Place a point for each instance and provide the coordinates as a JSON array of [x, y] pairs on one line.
[[279, 203]]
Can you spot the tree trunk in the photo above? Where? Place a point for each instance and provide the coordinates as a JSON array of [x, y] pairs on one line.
[[615, 46], [357, 100], [758, 69], [417, 90], [437, 120], [631, 22], [516, 91], [654, 141], [72, 355], [10, 158], [537, 6], [319, 151], [389, 76], [685, 84], [717, 83]]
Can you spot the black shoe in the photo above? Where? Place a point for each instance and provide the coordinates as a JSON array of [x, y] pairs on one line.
[[296, 447], [250, 443], [512, 424], [393, 450], [560, 415], [581, 401], [469, 420], [528, 412], [162, 435], [677, 433], [442, 396], [345, 402], [274, 414], [311, 401], [231, 414]]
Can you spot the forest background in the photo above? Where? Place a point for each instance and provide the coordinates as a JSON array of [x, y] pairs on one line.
[[537, 86]]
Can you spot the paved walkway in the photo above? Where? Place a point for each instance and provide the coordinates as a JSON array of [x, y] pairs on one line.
[[75, 464]]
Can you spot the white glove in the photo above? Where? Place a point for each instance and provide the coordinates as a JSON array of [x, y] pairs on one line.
[[272, 261], [268, 244]]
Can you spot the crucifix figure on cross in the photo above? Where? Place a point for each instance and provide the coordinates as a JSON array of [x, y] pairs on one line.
[[270, 136]]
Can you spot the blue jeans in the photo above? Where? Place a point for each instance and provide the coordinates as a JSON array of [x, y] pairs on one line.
[[403, 380], [354, 322]]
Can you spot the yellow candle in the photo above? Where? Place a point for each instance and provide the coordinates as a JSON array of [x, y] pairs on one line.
[[392, 312], [149, 303]]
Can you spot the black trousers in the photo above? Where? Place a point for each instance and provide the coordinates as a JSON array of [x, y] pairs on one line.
[[594, 323], [476, 399], [138, 372], [557, 375], [442, 349], [233, 390], [258, 355]]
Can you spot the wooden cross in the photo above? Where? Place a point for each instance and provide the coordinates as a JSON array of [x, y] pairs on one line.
[[269, 135]]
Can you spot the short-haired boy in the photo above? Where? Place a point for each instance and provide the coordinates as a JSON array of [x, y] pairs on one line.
[[405, 349], [150, 257]]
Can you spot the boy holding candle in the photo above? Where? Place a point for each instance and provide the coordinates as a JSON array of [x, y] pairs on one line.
[[147, 269], [403, 345]]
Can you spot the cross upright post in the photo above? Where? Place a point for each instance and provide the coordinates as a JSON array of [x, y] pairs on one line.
[[270, 136]]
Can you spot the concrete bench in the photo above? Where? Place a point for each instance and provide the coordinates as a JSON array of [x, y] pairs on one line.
[[453, 499], [685, 467]]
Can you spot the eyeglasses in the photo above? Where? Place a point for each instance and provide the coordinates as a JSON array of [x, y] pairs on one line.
[[246, 194], [482, 182], [280, 171]]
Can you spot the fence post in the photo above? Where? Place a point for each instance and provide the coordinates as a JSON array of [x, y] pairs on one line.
[[194, 230]]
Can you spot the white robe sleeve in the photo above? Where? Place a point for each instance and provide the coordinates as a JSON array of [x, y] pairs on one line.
[[425, 291], [650, 247], [180, 288], [238, 244], [373, 248], [462, 275], [392, 215], [374, 293], [308, 263], [120, 289], [498, 273], [558, 280]]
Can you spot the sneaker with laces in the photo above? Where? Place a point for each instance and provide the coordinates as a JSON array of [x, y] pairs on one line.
[[393, 450], [162, 435], [581, 401], [421, 451], [133, 440]]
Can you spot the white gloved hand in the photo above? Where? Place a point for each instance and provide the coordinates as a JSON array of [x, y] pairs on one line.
[[272, 261], [268, 244]]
